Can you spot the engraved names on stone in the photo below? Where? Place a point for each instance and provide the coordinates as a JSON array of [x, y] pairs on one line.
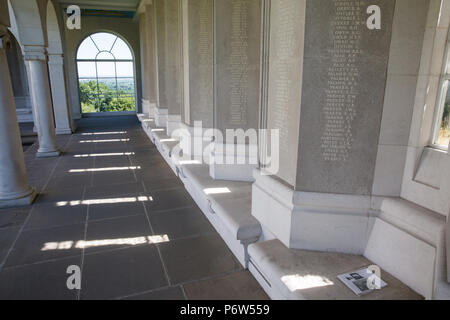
[[239, 63], [343, 77], [285, 34], [204, 51]]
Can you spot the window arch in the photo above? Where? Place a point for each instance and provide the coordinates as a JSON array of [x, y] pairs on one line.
[[106, 74], [441, 134]]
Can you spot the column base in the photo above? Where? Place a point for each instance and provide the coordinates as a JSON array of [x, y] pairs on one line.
[[62, 131], [233, 162], [20, 202], [51, 154], [173, 123]]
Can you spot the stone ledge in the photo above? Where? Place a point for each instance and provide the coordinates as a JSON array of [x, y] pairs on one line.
[[280, 270], [227, 205]]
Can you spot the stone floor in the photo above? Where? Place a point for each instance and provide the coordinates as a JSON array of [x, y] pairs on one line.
[[113, 207]]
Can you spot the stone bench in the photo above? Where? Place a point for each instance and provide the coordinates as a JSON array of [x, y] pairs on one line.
[[308, 275], [226, 204], [409, 242]]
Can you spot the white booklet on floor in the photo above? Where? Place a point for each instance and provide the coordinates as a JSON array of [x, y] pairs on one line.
[[362, 281]]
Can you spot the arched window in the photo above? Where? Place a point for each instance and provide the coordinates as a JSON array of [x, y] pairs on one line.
[[105, 74], [441, 133]]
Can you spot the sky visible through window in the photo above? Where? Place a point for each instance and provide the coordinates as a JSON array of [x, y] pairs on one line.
[[106, 74]]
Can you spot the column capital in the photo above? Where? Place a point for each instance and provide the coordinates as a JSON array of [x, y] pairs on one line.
[[56, 59], [32, 53]]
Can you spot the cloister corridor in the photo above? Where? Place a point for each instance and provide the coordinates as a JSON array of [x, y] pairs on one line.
[[111, 205]]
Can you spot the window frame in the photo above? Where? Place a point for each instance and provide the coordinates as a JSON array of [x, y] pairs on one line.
[[444, 87], [98, 78]]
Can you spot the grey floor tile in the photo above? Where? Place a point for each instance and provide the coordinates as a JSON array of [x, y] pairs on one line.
[[181, 223], [7, 237], [96, 192], [49, 215], [43, 281], [46, 244], [117, 233], [103, 162], [74, 181], [239, 285], [13, 217], [149, 172], [116, 210], [113, 177], [119, 273], [55, 195], [169, 199], [197, 258], [157, 184], [171, 293]]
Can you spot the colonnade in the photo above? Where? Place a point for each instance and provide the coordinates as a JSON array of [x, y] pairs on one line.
[[14, 187]]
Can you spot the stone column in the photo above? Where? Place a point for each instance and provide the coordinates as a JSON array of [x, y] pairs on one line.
[[59, 93], [36, 61], [237, 27], [14, 188], [197, 40], [325, 74]]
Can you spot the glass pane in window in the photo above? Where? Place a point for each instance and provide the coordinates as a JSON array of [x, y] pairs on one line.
[[86, 70], [104, 41], [107, 86], [126, 86], [88, 95], [126, 103], [125, 69], [105, 56], [444, 129], [87, 50], [106, 70], [121, 50]]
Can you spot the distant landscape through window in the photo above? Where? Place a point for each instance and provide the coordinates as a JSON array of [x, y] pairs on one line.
[[105, 74]]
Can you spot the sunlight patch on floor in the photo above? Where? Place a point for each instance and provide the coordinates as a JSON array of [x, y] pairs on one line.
[[103, 133], [104, 141], [104, 169], [104, 154], [85, 244], [104, 201]]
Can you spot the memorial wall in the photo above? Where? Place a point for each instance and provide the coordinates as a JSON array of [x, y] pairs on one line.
[[337, 116], [344, 80], [161, 45], [173, 56], [150, 35], [287, 21], [200, 60], [237, 63]]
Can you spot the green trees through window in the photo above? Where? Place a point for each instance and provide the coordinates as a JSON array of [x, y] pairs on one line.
[[105, 74]]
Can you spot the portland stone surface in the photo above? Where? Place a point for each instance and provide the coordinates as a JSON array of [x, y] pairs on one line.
[[200, 61], [344, 79], [237, 63]]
